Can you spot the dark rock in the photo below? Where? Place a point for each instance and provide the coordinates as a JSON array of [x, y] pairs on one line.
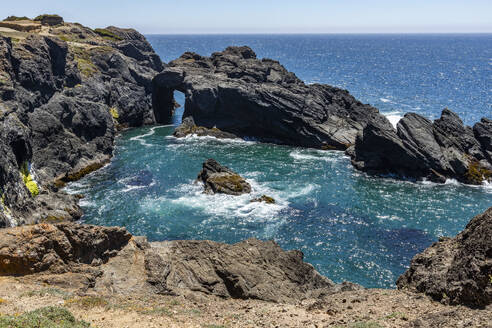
[[240, 94], [419, 148], [188, 127], [456, 270], [60, 107], [220, 179]]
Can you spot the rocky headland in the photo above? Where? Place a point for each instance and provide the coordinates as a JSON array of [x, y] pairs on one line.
[[65, 90]]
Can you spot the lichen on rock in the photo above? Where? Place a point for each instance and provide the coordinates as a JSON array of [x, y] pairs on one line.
[[31, 185], [217, 178]]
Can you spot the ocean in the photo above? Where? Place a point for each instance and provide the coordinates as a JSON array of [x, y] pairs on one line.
[[350, 226]]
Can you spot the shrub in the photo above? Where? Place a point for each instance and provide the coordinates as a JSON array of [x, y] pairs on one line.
[[47, 317], [107, 34], [15, 18], [41, 17]]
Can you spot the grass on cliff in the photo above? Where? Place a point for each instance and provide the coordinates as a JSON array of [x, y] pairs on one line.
[[41, 17], [47, 317], [477, 174], [84, 62], [15, 18], [107, 34]]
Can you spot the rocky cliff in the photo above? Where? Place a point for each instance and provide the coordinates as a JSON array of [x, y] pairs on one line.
[[456, 270], [64, 92]]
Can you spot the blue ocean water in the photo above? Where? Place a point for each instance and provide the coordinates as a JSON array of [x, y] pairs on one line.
[[350, 226]]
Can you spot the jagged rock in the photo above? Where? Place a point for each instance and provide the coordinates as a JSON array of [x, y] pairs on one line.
[[419, 148], [188, 127], [456, 270], [220, 179], [249, 269], [57, 248], [111, 259], [60, 105], [240, 94]]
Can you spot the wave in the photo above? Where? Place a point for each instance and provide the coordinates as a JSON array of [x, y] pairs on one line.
[[193, 138], [385, 100], [140, 138], [393, 117], [316, 155]]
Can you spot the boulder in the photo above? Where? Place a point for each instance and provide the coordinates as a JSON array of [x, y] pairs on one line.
[[456, 270], [237, 93], [220, 179]]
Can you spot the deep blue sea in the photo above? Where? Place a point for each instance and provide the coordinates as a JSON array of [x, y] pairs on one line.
[[350, 226]]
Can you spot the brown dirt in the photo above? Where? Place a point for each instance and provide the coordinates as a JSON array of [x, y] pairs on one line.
[[366, 308]]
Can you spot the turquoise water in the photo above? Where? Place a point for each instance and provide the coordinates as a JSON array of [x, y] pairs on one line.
[[349, 226]]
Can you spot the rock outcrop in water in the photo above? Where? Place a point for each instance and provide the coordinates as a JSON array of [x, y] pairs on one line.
[[188, 127], [64, 91], [240, 94], [217, 178], [110, 258], [456, 270], [420, 148]]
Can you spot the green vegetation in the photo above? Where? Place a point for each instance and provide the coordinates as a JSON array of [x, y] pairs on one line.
[[15, 18], [28, 180], [46, 291], [84, 62], [88, 302], [397, 315], [476, 173], [114, 113], [47, 317], [107, 34], [41, 17], [366, 324]]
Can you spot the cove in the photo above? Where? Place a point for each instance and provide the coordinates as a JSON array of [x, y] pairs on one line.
[[350, 226]]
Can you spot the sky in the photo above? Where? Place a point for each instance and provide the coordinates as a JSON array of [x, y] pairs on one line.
[[268, 16]]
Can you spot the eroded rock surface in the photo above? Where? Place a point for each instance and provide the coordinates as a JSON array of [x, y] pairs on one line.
[[456, 270], [217, 178], [420, 148], [237, 93], [110, 259], [64, 91]]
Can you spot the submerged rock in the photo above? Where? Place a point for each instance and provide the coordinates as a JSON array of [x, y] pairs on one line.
[[420, 148], [456, 270], [220, 179], [265, 199], [188, 127], [237, 93]]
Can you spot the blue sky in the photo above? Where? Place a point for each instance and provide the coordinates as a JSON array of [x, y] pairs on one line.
[[264, 16]]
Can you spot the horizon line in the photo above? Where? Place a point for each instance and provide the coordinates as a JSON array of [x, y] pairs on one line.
[[322, 33]]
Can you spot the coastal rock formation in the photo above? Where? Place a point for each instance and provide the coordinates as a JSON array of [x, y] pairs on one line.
[[220, 179], [188, 127], [115, 260], [456, 270], [420, 148], [237, 93], [57, 248], [63, 93], [251, 269]]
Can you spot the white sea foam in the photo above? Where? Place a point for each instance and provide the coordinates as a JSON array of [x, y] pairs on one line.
[[385, 100], [315, 155], [140, 138], [393, 117], [193, 138]]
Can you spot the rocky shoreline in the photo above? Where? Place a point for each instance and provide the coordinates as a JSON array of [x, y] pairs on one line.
[[66, 90]]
